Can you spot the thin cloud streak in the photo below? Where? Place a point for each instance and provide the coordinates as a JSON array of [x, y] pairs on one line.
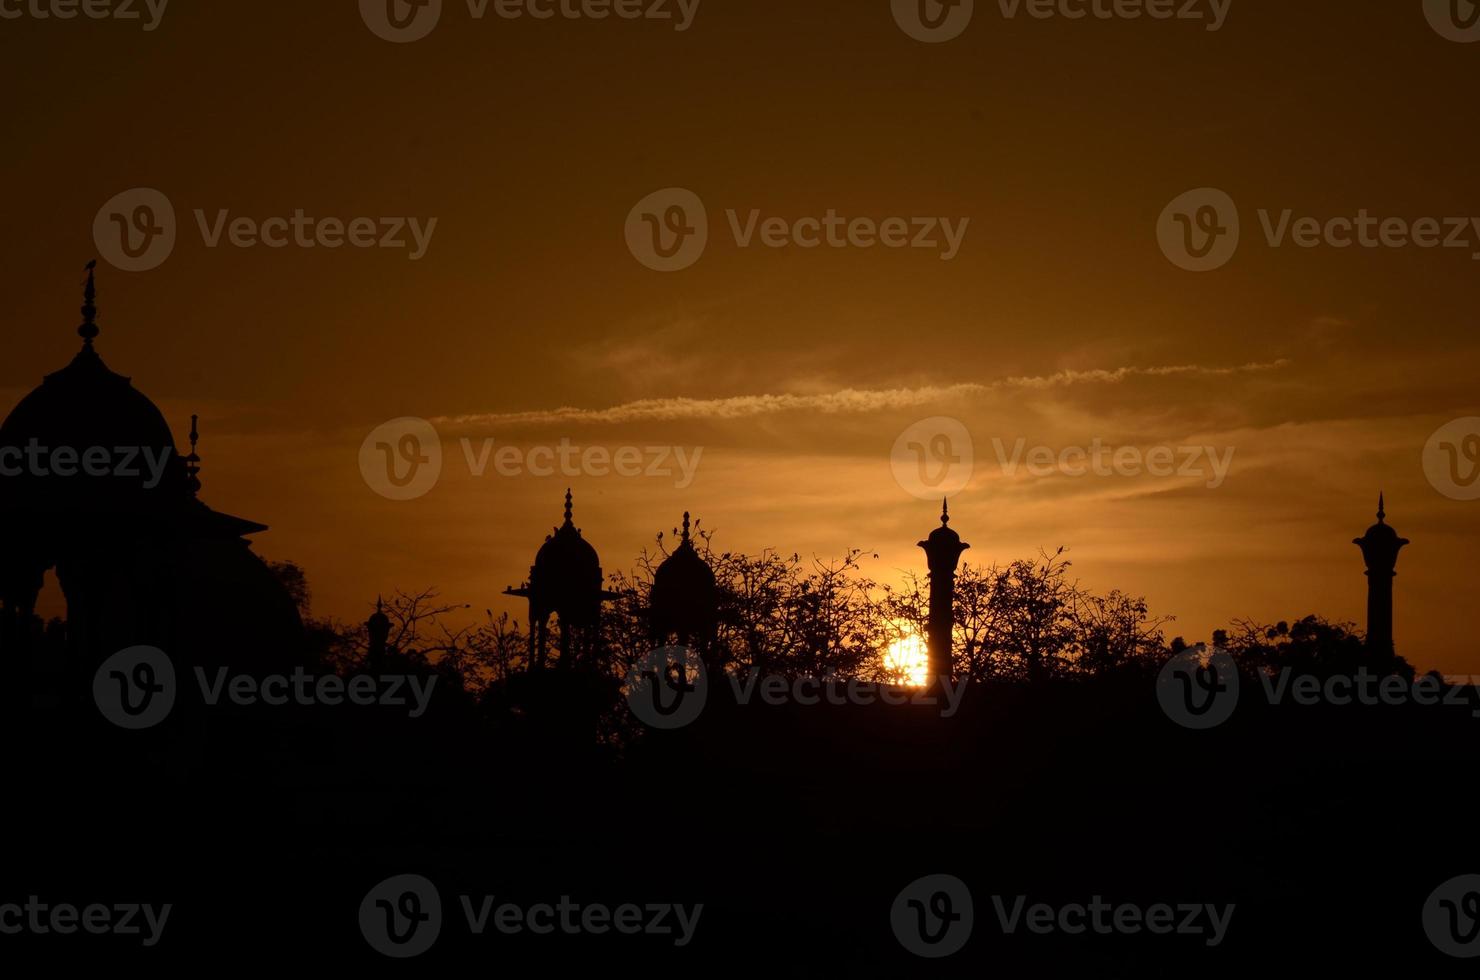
[[846, 401]]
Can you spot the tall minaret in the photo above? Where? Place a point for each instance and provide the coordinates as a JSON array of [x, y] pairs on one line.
[[943, 551], [1380, 547]]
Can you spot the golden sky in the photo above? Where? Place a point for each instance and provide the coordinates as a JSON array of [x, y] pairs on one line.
[[1056, 143]]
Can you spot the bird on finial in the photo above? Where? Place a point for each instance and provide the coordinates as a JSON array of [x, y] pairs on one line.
[[89, 328], [945, 511], [568, 507], [192, 462], [1381, 509]]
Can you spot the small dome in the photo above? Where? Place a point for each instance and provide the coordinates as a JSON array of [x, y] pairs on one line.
[[685, 598]]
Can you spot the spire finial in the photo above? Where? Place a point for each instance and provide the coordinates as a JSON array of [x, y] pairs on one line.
[[192, 462], [89, 328], [568, 506], [1381, 508], [945, 511], [686, 525]]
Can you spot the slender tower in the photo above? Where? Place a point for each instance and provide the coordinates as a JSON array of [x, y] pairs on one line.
[[1380, 547], [943, 551]]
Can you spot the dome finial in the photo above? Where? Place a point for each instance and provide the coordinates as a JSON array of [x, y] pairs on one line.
[[192, 462], [568, 508], [89, 328], [685, 525], [945, 511], [1381, 509]]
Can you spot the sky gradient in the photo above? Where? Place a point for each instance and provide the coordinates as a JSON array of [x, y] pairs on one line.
[[790, 371]]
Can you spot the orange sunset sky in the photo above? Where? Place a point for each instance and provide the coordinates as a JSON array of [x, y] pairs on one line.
[[791, 370]]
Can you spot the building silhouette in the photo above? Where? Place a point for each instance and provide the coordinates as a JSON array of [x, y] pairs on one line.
[[95, 492], [942, 552], [1380, 547], [685, 602], [565, 582]]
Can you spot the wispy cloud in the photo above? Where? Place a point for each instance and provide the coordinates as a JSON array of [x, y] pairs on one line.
[[845, 401]]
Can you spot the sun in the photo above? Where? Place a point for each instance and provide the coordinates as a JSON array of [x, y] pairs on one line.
[[907, 659]]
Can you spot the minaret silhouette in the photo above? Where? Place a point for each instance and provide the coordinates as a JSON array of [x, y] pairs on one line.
[[942, 551], [1380, 547]]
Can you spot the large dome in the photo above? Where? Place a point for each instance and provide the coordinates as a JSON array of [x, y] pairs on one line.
[[87, 441], [86, 408]]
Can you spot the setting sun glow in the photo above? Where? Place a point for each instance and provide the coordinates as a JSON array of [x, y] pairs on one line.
[[907, 660]]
